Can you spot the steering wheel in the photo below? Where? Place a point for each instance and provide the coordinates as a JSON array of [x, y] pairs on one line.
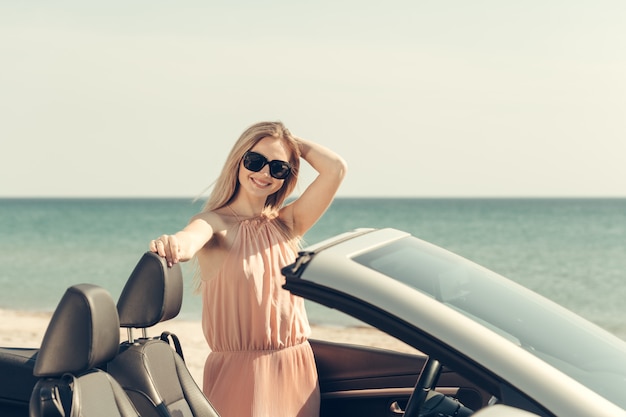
[[425, 383]]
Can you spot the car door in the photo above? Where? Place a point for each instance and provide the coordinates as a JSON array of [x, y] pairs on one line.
[[16, 380]]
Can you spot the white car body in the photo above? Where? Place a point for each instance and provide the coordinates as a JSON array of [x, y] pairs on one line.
[[331, 265]]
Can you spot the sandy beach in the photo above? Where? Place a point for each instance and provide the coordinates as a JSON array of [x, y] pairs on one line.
[[26, 329]]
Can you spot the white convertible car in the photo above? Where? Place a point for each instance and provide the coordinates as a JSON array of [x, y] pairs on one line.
[[480, 344]]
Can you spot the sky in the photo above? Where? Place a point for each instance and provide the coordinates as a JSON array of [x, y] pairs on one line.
[[484, 98]]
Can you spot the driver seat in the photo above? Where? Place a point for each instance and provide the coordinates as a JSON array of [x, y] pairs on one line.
[[153, 374]]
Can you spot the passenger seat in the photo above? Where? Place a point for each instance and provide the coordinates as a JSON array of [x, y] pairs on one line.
[[82, 336], [153, 374]]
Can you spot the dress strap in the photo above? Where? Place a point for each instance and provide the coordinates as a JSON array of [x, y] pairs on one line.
[[234, 213]]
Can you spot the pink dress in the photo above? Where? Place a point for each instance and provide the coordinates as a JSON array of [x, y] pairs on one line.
[[261, 363]]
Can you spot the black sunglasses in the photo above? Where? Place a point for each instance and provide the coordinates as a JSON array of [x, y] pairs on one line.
[[255, 162]]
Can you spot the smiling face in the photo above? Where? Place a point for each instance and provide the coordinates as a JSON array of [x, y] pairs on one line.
[[261, 184]]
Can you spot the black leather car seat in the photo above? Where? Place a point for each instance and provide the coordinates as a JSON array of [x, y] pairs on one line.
[[82, 335], [153, 374]]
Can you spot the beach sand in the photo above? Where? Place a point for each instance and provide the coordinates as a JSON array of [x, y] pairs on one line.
[[26, 329]]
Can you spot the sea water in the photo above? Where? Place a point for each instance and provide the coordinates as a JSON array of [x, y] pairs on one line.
[[570, 250]]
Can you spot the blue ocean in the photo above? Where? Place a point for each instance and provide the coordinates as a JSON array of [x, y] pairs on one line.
[[570, 250]]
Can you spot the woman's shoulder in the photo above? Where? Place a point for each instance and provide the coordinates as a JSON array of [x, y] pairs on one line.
[[217, 219]]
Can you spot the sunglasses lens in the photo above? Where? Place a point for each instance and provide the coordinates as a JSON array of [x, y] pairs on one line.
[[254, 161], [279, 170]]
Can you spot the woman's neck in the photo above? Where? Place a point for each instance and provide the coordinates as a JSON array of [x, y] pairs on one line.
[[246, 209]]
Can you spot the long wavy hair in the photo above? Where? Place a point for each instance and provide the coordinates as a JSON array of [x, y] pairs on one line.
[[227, 184]]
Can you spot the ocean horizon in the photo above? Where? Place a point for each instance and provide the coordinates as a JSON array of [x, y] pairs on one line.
[[571, 250]]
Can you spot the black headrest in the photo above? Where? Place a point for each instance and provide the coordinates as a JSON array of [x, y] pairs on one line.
[[153, 293], [84, 332]]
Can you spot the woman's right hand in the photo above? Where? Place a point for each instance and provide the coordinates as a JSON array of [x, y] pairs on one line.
[[167, 247], [182, 246]]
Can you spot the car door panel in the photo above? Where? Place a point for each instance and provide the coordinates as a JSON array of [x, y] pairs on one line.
[[16, 380], [367, 381]]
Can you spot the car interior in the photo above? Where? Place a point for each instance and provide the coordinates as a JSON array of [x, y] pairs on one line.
[[82, 368]]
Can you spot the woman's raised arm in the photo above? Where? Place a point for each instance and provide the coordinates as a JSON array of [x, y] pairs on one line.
[[309, 207]]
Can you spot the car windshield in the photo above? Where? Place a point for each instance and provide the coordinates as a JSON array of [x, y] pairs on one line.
[[566, 341]]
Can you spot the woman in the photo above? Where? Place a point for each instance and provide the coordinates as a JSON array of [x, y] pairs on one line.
[[261, 363]]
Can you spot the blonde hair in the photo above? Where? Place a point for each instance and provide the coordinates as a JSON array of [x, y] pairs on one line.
[[227, 184]]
